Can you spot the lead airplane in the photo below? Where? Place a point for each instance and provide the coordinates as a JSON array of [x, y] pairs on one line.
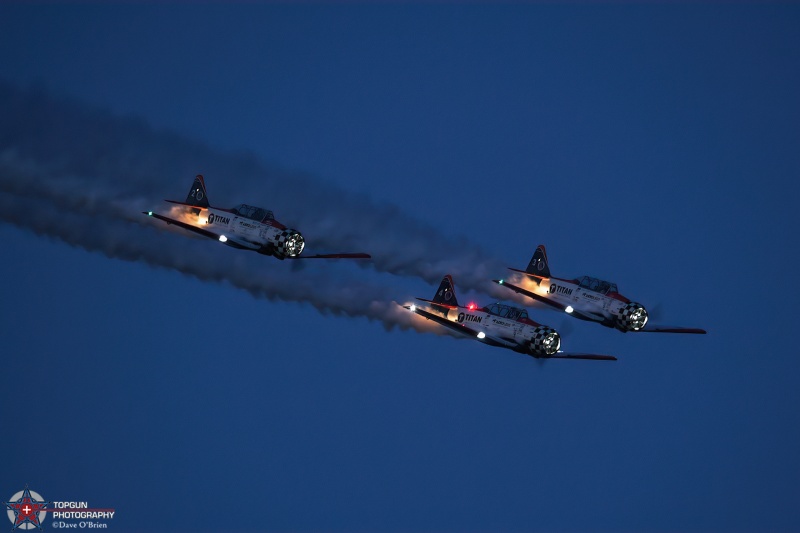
[[496, 325], [587, 298], [244, 227]]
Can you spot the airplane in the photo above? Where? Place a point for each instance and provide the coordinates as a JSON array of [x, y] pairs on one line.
[[245, 227], [587, 298], [496, 325]]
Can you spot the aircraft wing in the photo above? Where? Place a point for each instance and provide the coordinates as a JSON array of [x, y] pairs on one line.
[[231, 241], [654, 328], [583, 315], [182, 224], [333, 256], [463, 329], [497, 341], [590, 356]]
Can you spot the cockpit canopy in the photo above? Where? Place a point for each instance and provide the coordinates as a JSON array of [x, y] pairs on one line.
[[506, 311], [597, 285], [253, 213]]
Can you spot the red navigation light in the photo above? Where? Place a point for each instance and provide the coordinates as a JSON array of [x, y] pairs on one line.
[[472, 306]]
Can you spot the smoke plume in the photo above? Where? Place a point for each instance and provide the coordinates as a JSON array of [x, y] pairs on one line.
[[73, 146], [84, 176]]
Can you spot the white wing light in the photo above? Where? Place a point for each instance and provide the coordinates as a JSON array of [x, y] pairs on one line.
[[569, 309], [481, 335], [223, 238]]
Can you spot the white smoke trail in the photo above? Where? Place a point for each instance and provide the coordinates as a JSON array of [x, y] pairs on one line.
[[72, 146], [129, 241]]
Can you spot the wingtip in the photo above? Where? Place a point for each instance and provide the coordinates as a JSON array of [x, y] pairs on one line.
[[605, 358]]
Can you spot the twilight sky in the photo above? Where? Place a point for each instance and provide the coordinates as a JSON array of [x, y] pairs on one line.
[[194, 387]]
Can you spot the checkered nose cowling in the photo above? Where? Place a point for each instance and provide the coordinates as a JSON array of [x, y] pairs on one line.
[[545, 341], [290, 243], [632, 317]]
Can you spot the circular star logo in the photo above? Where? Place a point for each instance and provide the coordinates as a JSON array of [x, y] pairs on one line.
[[25, 509]]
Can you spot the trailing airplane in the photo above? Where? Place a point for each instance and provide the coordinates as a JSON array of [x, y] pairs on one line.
[[496, 325], [245, 227], [587, 298]]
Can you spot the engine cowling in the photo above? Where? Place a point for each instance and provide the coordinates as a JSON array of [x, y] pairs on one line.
[[545, 341], [290, 243], [632, 317]]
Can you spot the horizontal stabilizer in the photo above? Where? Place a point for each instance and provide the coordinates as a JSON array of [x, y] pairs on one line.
[[536, 277], [184, 203], [446, 306]]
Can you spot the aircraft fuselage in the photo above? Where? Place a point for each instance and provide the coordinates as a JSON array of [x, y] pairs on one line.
[[514, 331], [612, 310], [228, 224]]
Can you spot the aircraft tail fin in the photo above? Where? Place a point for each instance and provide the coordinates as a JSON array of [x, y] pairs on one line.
[[445, 298], [197, 194], [446, 294], [538, 265]]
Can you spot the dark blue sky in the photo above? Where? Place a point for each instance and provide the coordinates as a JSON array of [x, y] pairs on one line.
[[657, 146]]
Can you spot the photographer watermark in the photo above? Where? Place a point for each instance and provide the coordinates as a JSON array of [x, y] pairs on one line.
[[27, 509]]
